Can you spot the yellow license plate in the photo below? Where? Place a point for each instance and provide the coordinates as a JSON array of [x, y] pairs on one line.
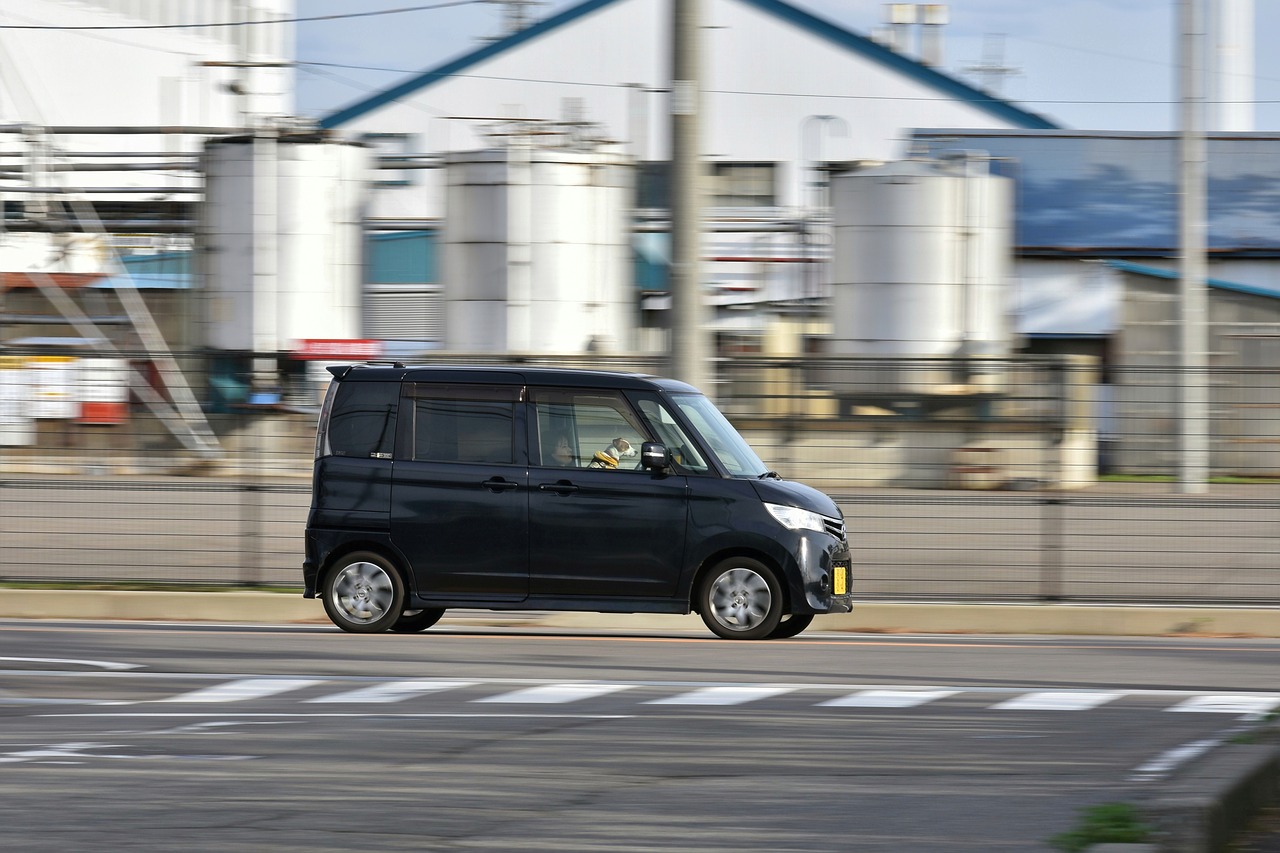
[[840, 583]]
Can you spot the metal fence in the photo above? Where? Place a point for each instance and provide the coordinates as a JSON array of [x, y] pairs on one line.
[[1011, 480]]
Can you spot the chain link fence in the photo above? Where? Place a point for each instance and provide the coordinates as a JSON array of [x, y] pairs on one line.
[[996, 480]]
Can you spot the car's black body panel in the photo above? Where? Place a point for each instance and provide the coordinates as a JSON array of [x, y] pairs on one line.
[[511, 535]]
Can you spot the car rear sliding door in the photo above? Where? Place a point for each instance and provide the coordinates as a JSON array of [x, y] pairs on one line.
[[460, 501]]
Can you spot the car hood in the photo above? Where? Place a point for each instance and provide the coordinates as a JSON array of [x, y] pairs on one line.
[[790, 493]]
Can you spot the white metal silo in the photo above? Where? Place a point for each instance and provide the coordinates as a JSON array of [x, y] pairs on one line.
[[922, 253], [537, 251], [280, 240]]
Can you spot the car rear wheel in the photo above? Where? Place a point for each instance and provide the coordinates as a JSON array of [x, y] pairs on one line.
[[791, 625], [364, 593], [412, 621], [741, 599]]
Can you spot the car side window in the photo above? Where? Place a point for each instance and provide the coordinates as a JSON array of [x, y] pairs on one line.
[[463, 424], [362, 422], [580, 428], [670, 433]]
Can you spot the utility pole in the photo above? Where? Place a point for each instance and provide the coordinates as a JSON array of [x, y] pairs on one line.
[[690, 348], [1193, 403]]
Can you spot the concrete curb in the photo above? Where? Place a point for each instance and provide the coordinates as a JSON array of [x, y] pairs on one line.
[[1205, 806], [875, 617]]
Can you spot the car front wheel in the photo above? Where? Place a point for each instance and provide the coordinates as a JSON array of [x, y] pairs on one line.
[[741, 599], [364, 593]]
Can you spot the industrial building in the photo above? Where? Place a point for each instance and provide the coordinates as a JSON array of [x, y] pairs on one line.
[[513, 201], [773, 129]]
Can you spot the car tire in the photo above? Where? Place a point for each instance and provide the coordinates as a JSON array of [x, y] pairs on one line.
[[412, 621], [364, 593], [791, 625], [741, 599]]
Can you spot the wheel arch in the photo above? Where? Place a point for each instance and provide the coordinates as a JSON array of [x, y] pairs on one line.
[[714, 559], [380, 547]]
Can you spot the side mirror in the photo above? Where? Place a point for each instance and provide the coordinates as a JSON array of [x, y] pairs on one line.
[[654, 455]]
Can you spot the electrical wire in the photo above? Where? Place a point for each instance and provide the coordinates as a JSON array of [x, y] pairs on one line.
[[211, 24], [302, 65]]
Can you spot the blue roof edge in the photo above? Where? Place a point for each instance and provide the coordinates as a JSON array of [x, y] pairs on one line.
[[819, 26], [453, 66], [1216, 283], [910, 67]]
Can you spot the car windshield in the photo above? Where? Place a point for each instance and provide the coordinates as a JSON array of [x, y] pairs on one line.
[[719, 436]]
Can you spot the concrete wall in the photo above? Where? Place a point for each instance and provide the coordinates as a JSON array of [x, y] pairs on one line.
[[1244, 394]]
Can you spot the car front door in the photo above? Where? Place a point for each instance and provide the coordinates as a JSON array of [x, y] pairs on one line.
[[459, 497], [599, 528]]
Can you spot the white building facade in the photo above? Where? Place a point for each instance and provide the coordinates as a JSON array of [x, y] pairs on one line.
[[786, 97]]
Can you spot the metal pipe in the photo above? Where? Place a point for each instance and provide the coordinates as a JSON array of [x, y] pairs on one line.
[[125, 130], [402, 224], [176, 165], [723, 227], [69, 155], [110, 190], [114, 226]]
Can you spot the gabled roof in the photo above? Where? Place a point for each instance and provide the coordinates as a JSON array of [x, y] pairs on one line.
[[847, 39]]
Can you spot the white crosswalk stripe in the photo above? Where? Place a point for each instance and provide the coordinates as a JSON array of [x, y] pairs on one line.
[[1229, 704], [349, 691], [722, 696], [554, 694], [392, 691], [244, 689], [1056, 701], [888, 698]]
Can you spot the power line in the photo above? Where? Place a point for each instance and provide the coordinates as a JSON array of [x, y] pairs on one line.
[[1058, 102], [209, 25]]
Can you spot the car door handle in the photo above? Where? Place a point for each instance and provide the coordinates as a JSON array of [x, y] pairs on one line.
[[497, 484], [564, 487]]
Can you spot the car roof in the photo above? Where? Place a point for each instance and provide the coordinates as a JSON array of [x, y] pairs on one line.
[[500, 375]]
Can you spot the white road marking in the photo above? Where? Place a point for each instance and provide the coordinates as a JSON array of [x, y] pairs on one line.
[[392, 691], [1230, 704], [244, 689], [100, 664], [737, 695], [1164, 763], [554, 694], [888, 698], [380, 715], [1056, 701], [75, 753]]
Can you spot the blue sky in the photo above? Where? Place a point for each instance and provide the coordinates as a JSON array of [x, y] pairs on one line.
[[1088, 64]]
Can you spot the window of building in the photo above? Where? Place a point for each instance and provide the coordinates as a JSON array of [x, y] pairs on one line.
[[653, 185], [730, 185], [742, 185]]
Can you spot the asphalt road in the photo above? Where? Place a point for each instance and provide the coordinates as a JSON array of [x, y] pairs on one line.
[[230, 738]]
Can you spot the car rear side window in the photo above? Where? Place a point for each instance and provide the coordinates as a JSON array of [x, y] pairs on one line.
[[362, 421], [474, 424]]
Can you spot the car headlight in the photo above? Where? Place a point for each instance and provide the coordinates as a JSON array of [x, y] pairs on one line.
[[794, 518]]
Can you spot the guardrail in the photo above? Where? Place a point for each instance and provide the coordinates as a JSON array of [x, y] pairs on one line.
[[1030, 481]]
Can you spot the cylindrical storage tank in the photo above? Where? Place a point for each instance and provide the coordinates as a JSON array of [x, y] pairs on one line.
[[922, 252], [280, 241], [537, 255]]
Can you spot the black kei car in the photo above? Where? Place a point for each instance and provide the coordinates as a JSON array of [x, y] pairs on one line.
[[545, 489]]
